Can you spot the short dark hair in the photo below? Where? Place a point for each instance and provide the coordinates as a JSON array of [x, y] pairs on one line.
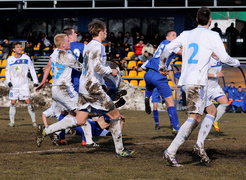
[[67, 31], [171, 30], [16, 43], [239, 86], [203, 16]]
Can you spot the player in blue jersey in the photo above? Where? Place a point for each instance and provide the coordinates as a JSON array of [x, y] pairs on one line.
[[156, 78]]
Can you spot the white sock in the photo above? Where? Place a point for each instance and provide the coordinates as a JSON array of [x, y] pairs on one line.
[[31, 112], [184, 132], [67, 122], [221, 109], [87, 132], [117, 135], [104, 132], [12, 111], [204, 129]]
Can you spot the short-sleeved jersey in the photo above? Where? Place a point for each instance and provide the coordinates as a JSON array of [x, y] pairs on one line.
[[62, 64], [215, 67], [17, 69], [198, 45], [77, 50]]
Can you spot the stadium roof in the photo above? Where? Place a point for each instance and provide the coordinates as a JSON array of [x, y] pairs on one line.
[[120, 4]]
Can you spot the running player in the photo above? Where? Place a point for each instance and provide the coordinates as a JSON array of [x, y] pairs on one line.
[[16, 77], [91, 93], [156, 78], [198, 45]]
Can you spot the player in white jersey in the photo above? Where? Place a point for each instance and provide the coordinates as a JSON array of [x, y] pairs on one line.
[[215, 91], [198, 45], [16, 76], [91, 94]]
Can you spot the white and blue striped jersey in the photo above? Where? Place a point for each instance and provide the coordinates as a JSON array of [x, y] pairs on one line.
[[198, 45], [17, 69]]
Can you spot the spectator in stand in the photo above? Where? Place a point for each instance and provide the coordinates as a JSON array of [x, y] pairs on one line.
[[142, 37], [109, 50], [136, 37], [86, 38], [79, 36], [118, 52], [32, 40], [112, 38], [149, 48], [155, 41], [232, 93], [128, 42], [120, 38], [44, 42], [138, 50], [217, 29], [146, 56], [233, 33], [29, 49], [7, 49], [135, 29]]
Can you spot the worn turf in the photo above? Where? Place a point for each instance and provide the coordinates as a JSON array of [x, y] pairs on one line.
[[20, 158]]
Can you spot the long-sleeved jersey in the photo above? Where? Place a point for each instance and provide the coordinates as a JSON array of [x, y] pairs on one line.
[[198, 45], [17, 69]]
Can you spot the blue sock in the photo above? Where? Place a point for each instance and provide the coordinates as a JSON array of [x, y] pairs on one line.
[[79, 130], [172, 113], [156, 117], [148, 93], [62, 133]]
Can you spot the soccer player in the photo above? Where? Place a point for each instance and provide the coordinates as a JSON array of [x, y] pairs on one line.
[[92, 94], [198, 45], [16, 76], [214, 90], [157, 78]]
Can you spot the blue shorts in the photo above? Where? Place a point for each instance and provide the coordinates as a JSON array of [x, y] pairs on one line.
[[155, 96], [154, 79]]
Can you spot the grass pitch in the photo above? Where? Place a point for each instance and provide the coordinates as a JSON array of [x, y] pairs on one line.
[[21, 159]]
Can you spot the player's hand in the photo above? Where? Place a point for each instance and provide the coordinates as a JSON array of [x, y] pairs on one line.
[[40, 86], [10, 84], [220, 74], [114, 72], [35, 85]]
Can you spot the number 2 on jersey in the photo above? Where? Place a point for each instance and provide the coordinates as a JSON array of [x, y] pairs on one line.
[[195, 51]]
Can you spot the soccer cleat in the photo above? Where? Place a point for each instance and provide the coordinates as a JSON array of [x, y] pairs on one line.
[[54, 139], [72, 131], [120, 103], [34, 124], [83, 143], [201, 153], [172, 159], [157, 127], [147, 106], [119, 94], [127, 153], [93, 145], [40, 135], [63, 142], [175, 132], [216, 127], [11, 124]]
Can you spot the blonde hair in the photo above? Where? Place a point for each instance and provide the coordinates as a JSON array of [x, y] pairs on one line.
[[59, 39]]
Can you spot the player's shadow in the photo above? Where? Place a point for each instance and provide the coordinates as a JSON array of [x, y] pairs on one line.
[[218, 134]]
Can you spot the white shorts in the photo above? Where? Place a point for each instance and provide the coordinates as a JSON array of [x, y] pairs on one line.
[[195, 98], [53, 111], [19, 93], [65, 97], [214, 93]]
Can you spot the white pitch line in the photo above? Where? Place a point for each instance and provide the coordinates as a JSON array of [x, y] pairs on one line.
[[77, 149]]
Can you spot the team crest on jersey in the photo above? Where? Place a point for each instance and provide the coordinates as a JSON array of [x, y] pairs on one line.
[[18, 69]]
